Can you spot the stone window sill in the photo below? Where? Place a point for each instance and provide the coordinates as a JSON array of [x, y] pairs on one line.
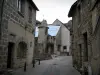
[[21, 14]]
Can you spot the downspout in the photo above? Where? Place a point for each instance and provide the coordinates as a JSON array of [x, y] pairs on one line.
[[1, 15]]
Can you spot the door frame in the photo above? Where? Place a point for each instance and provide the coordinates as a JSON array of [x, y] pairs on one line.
[[10, 64]]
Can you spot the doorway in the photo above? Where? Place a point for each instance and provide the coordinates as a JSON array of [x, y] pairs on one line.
[[85, 46], [85, 51], [10, 52], [59, 46], [80, 55]]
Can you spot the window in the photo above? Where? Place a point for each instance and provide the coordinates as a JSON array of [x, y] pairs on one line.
[[30, 44], [64, 47], [79, 13], [30, 14], [93, 1], [94, 18], [20, 5], [46, 31], [80, 54], [59, 46], [85, 46], [54, 38], [22, 49]]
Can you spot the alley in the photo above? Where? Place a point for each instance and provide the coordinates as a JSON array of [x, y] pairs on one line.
[[61, 65]]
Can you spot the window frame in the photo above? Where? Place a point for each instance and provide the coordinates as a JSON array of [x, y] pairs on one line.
[[64, 47], [30, 14], [30, 44], [21, 51], [20, 7]]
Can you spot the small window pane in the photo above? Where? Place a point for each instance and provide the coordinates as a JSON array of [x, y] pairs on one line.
[[64, 47]]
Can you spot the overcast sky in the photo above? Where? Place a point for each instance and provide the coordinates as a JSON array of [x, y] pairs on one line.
[[53, 9]]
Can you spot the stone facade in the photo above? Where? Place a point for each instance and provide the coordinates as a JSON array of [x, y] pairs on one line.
[[62, 38], [69, 27], [52, 41], [42, 39], [16, 32], [95, 61], [85, 36], [36, 51], [50, 44]]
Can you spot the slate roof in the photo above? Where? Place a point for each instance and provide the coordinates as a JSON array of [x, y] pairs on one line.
[[72, 9], [33, 4], [53, 30]]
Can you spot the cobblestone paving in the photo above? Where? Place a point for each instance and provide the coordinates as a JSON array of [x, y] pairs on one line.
[[57, 66]]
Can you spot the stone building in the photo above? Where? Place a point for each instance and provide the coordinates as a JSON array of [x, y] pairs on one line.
[[36, 51], [52, 39], [95, 13], [42, 39], [17, 25], [50, 44], [85, 35], [69, 27], [49, 40], [62, 38]]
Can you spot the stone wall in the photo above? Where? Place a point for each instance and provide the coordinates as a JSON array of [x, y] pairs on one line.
[[4, 40], [96, 39], [11, 16], [81, 25], [86, 19], [65, 39]]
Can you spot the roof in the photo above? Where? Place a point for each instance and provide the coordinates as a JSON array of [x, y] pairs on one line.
[[68, 25], [57, 22], [52, 30], [33, 4], [38, 22], [70, 14]]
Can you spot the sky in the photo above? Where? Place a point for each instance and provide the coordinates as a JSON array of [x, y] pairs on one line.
[[51, 10]]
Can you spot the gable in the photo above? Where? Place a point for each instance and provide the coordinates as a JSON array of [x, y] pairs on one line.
[[57, 23]]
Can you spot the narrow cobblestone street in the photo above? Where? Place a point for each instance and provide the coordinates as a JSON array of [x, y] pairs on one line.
[[49, 37], [57, 66]]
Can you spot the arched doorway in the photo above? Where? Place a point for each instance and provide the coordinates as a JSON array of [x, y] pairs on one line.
[[21, 50]]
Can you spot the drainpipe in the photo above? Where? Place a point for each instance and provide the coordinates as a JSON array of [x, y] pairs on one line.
[[1, 15]]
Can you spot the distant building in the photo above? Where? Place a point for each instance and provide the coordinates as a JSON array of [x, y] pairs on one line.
[[57, 38], [17, 26], [62, 38], [69, 27], [36, 51], [42, 39], [50, 44]]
